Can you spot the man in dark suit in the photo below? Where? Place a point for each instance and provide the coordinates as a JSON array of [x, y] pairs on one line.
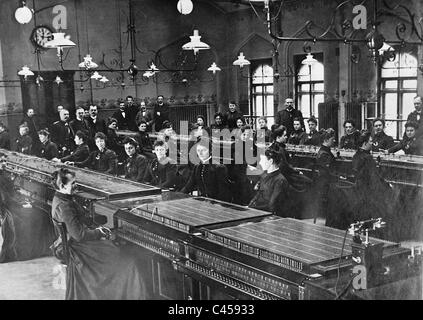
[[416, 115], [61, 134], [79, 123], [161, 113], [286, 116], [232, 116], [33, 126], [122, 116], [131, 112], [94, 122], [144, 115]]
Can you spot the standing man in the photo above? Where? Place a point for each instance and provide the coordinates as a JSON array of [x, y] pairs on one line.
[[416, 115], [61, 134], [79, 123], [131, 111], [161, 112], [94, 123], [122, 116], [232, 116], [286, 116], [144, 115], [29, 120]]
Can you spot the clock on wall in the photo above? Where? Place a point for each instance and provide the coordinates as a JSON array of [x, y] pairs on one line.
[[40, 35]]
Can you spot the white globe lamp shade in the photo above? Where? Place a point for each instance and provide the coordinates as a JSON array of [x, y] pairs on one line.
[[185, 6], [23, 15]]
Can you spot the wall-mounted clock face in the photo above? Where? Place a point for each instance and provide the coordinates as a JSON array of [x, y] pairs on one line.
[[40, 35]]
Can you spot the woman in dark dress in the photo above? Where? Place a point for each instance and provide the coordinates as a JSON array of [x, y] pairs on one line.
[[376, 197], [200, 129], [325, 161], [113, 142], [410, 144], [273, 188], [244, 153], [295, 178], [144, 142], [135, 165], [161, 172], [24, 141], [96, 267], [208, 178], [263, 134], [82, 151]]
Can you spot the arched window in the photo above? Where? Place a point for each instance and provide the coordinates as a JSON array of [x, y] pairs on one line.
[[262, 90], [310, 85], [399, 87]]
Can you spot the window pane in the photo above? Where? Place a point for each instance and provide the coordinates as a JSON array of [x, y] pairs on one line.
[[409, 84], [408, 65], [317, 71], [305, 87], [391, 128], [303, 78], [258, 106], [391, 108], [319, 87], [304, 71], [391, 84], [305, 105], [258, 89], [268, 110], [404, 65], [263, 74], [389, 71], [269, 89], [267, 74]]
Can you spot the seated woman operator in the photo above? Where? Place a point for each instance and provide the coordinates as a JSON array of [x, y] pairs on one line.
[[96, 267], [273, 188]]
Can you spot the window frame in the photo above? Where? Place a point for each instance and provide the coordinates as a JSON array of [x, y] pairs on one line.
[[299, 93], [264, 93], [399, 90]]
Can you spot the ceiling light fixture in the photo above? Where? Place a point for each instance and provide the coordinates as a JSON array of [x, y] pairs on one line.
[[195, 44], [23, 14], [214, 68], [241, 61], [25, 72], [185, 6]]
